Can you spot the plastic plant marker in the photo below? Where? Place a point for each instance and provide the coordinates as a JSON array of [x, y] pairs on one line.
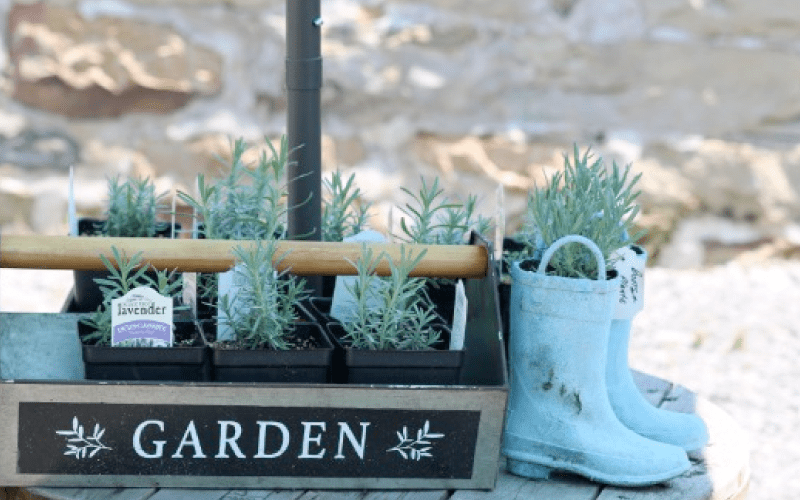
[[343, 302], [228, 285], [459, 327], [141, 318]]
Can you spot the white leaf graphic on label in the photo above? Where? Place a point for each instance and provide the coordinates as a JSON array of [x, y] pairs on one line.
[[415, 449], [79, 445]]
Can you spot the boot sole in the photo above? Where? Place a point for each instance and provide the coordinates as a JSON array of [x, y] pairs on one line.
[[542, 466]]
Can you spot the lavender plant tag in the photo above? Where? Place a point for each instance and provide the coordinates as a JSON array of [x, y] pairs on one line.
[[630, 270], [343, 304], [141, 318], [459, 318]]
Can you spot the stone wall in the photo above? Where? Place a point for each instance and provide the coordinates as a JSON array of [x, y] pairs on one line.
[[700, 95]]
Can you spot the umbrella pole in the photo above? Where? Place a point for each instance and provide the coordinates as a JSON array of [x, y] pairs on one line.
[[304, 130]]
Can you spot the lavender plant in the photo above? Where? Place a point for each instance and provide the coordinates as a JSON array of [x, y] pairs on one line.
[[125, 274], [132, 208], [262, 312], [247, 203], [433, 219], [586, 199], [403, 318], [342, 214], [436, 220]]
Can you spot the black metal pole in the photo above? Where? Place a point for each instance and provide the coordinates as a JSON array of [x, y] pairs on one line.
[[303, 123]]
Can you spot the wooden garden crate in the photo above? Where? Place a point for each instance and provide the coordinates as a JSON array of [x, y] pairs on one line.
[[64, 431]]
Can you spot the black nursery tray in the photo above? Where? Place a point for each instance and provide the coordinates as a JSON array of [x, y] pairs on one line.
[[63, 430]]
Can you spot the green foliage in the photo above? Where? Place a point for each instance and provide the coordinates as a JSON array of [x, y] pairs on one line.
[[132, 208], [125, 275], [435, 220], [403, 316], [586, 199], [248, 203], [262, 311], [342, 215]]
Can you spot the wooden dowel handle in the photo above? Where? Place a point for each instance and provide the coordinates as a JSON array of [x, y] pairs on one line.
[[304, 258]]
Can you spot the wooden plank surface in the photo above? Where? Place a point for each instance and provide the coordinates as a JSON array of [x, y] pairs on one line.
[[407, 495], [332, 495], [725, 461], [90, 493], [199, 494], [653, 389], [720, 472]]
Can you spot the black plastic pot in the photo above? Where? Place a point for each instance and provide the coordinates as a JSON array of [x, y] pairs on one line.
[[439, 366], [87, 294], [268, 365], [320, 310], [181, 364]]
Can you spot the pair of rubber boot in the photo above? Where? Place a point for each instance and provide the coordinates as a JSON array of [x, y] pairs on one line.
[[573, 405]]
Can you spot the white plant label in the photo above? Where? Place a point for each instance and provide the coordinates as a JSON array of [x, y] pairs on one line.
[[459, 318], [189, 295], [343, 304], [141, 318], [630, 270], [229, 284]]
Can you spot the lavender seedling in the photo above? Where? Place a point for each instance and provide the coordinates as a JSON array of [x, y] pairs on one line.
[[342, 215], [132, 208], [248, 203], [262, 311], [403, 316], [125, 275]]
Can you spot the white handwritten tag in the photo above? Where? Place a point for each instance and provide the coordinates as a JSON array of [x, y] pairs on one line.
[[630, 270], [459, 318], [141, 318]]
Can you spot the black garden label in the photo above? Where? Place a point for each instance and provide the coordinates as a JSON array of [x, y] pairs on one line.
[[205, 440]]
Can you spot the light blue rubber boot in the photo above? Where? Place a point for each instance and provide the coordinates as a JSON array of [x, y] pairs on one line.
[[559, 414], [685, 430]]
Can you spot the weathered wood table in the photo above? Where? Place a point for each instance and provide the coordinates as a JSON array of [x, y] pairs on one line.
[[721, 472]]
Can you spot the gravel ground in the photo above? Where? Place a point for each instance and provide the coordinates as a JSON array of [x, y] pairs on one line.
[[730, 333]]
